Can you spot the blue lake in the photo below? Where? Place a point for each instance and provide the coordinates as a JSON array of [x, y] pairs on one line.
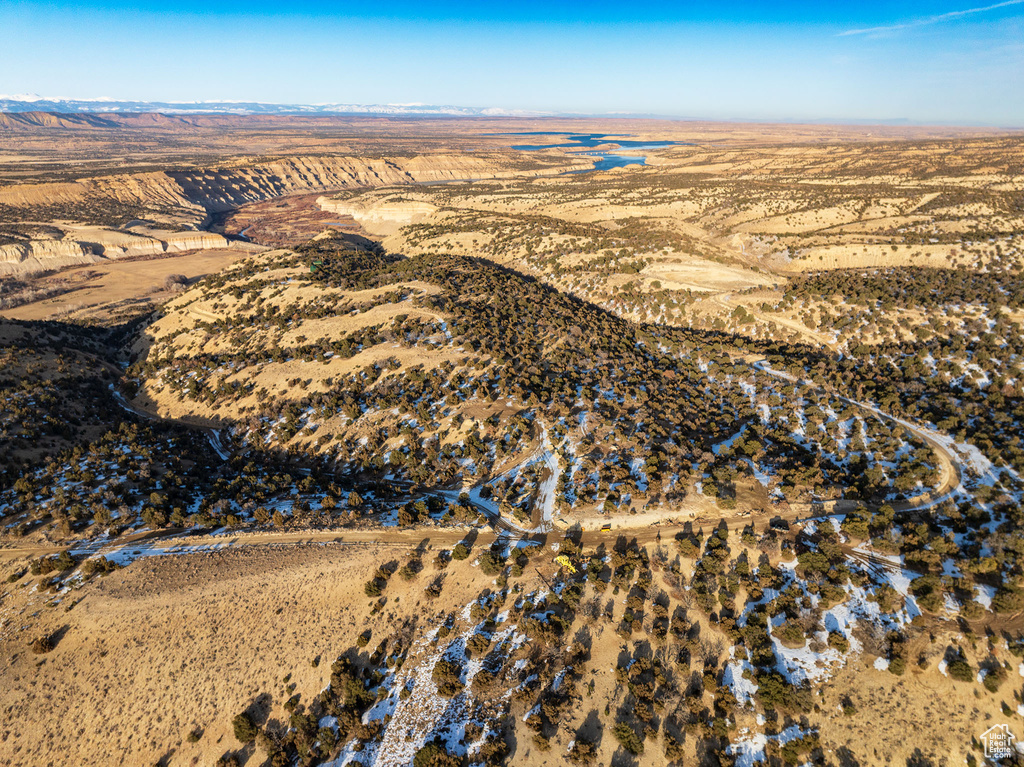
[[605, 159]]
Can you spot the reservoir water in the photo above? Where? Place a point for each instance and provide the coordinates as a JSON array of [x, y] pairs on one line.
[[605, 159]]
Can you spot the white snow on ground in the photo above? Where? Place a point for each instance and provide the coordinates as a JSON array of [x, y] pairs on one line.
[[881, 664], [973, 460], [216, 442], [899, 579], [716, 449], [128, 553], [842, 619], [803, 664], [559, 678], [942, 667], [984, 594], [866, 550], [742, 689], [547, 455], [425, 714], [760, 474], [750, 747], [969, 458], [887, 568], [546, 491], [950, 605]]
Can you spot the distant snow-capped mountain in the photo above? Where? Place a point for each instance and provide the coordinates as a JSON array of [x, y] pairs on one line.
[[33, 103]]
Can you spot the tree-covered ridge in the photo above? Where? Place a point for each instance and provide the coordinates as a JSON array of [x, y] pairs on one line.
[[910, 286], [477, 369]]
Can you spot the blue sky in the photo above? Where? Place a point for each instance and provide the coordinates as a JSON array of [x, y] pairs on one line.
[[948, 62]]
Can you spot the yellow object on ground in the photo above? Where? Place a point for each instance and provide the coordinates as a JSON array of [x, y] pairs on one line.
[[564, 562]]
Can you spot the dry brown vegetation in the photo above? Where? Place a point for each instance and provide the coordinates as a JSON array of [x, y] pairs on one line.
[[153, 661], [762, 325], [110, 291]]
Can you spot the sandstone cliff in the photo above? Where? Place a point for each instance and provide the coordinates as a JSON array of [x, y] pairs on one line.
[[92, 245], [379, 216], [219, 189], [187, 198]]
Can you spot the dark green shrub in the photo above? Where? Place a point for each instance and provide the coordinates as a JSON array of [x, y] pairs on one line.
[[491, 563], [446, 676], [628, 739], [960, 670], [838, 641], [246, 729]]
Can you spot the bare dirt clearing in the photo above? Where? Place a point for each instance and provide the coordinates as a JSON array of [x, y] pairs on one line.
[[105, 289], [733, 354], [173, 643]]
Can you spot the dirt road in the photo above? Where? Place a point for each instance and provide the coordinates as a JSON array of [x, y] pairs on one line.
[[951, 468]]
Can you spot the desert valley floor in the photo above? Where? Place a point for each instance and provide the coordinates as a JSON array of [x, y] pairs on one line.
[[380, 441]]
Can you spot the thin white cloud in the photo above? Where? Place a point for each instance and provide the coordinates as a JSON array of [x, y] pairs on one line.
[[929, 19]]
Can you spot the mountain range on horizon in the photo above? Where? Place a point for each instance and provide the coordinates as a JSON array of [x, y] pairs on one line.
[[35, 103], [21, 103]]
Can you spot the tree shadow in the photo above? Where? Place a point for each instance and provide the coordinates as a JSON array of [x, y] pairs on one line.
[[918, 759], [622, 758], [259, 710], [642, 649], [59, 634], [623, 659], [707, 751], [846, 757], [508, 732], [592, 729], [574, 534]]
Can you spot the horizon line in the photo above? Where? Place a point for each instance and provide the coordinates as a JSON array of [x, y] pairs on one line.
[[300, 109]]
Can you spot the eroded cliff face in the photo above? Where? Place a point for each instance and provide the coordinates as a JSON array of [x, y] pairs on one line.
[[215, 190], [28, 257], [90, 246], [186, 199], [379, 216]]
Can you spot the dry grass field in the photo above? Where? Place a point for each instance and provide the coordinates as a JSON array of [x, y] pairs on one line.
[[176, 645], [274, 366], [111, 289]]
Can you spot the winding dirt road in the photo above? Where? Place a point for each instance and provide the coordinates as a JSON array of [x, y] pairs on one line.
[[951, 467], [181, 541]]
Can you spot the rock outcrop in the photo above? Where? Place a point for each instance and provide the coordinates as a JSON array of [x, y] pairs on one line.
[[379, 217], [35, 256], [93, 245], [218, 189], [188, 198]]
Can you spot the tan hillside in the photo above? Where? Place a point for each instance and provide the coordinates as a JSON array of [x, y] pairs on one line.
[[374, 441]]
